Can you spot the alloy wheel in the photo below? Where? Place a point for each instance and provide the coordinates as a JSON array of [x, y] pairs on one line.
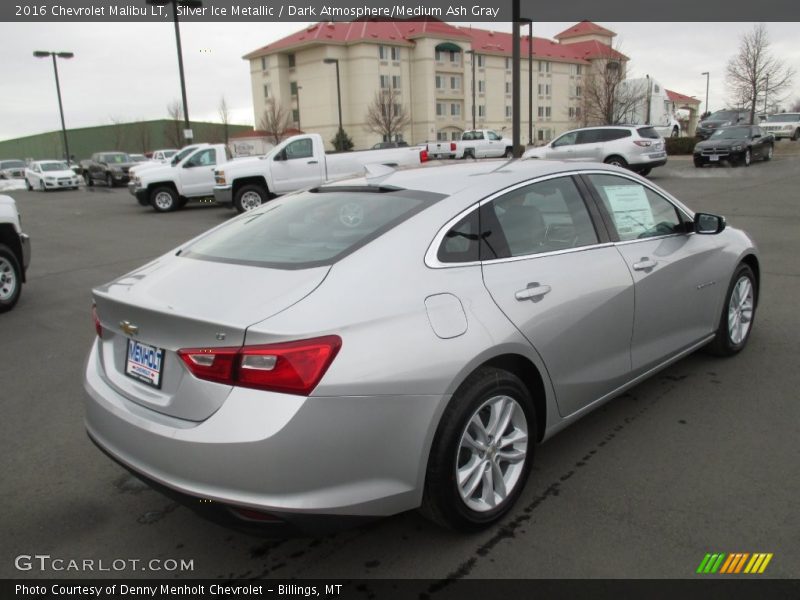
[[491, 453], [740, 310], [163, 201], [8, 280], [250, 201]]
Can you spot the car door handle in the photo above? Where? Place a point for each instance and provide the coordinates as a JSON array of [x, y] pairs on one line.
[[532, 292], [313, 162], [644, 264]]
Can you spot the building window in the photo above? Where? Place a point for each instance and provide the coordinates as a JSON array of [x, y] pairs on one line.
[[438, 56], [296, 115], [481, 60], [439, 82], [440, 109], [383, 53], [540, 112], [455, 109], [508, 64], [395, 53], [578, 112], [576, 69], [455, 136], [263, 63], [508, 87], [291, 60], [481, 110], [266, 90], [546, 112], [544, 89], [293, 88], [455, 57], [481, 86], [544, 66], [396, 82], [441, 136], [508, 111], [455, 82], [578, 91], [384, 79]]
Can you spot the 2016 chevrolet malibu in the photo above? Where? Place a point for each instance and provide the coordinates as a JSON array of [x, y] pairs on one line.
[[374, 346]]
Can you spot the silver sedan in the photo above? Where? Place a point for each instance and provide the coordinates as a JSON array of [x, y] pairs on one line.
[[379, 345]]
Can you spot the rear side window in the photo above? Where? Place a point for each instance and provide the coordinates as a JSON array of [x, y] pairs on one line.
[[309, 229], [636, 211], [648, 132], [461, 242], [609, 135], [541, 217]]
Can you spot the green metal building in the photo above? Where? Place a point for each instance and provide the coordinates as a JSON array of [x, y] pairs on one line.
[[138, 137]]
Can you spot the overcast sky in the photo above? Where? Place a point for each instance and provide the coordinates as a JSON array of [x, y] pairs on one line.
[[129, 71]]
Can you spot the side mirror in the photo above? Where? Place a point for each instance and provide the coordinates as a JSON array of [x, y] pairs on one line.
[[756, 136], [708, 224]]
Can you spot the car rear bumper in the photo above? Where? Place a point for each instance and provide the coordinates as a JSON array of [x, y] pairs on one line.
[[647, 160], [277, 453]]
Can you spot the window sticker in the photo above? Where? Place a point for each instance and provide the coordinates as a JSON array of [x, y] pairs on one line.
[[630, 208]]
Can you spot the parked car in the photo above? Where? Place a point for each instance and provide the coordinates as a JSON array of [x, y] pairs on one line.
[[299, 162], [639, 148], [170, 187], [474, 143], [152, 164], [164, 155], [783, 125], [109, 167], [721, 118], [138, 158], [46, 175], [366, 349], [15, 254], [381, 145], [12, 169], [737, 145]]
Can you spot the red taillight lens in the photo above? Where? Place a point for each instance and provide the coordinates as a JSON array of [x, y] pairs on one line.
[[98, 328], [452, 146], [290, 367], [643, 143], [423, 156]]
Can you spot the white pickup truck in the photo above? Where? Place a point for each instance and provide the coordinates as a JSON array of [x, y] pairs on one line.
[[299, 162], [189, 176], [15, 254], [474, 143]]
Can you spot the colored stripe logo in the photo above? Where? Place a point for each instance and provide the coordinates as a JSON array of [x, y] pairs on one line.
[[735, 563]]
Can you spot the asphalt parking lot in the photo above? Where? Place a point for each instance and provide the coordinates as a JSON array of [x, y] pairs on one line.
[[702, 458]]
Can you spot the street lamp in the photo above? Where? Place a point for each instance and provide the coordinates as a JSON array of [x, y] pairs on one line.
[[530, 79], [297, 95], [45, 54], [335, 61], [707, 78], [474, 57], [175, 4]]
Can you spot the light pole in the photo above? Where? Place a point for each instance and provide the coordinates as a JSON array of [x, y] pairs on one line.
[[297, 95], [707, 78], [335, 61], [766, 91], [474, 109], [175, 4], [45, 54], [530, 79]]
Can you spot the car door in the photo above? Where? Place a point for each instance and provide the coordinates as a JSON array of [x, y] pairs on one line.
[[197, 173], [759, 142], [676, 274], [563, 147], [495, 147], [558, 279], [590, 144], [296, 167]]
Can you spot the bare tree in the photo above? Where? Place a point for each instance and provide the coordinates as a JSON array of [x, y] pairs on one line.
[[386, 115], [224, 118], [173, 132], [754, 71], [605, 97], [275, 121], [117, 132]]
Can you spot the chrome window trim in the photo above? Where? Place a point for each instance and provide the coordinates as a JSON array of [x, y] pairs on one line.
[[431, 255]]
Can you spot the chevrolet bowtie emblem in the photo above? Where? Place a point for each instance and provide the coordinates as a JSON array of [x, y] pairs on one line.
[[129, 327]]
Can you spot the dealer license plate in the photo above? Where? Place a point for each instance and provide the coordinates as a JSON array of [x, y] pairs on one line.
[[144, 363]]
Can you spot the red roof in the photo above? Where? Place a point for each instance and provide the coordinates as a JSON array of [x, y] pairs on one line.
[[398, 32], [676, 97], [584, 28], [405, 32]]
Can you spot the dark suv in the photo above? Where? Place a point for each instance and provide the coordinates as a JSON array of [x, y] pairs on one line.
[[722, 118]]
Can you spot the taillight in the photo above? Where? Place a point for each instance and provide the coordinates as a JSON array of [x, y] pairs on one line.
[[643, 143], [98, 328], [452, 146], [423, 156], [290, 367]]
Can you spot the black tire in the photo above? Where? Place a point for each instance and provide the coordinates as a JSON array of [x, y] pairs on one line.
[[509, 152], [469, 154], [88, 179], [441, 500], [42, 186], [250, 197], [164, 199], [796, 135], [723, 344], [770, 151], [675, 132], [747, 158], [645, 172], [617, 161], [28, 185], [698, 162], [109, 180], [10, 275]]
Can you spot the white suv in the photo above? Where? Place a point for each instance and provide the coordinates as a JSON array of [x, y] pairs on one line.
[[639, 148]]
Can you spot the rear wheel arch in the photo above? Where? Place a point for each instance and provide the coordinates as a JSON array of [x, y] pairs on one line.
[[257, 180], [752, 261]]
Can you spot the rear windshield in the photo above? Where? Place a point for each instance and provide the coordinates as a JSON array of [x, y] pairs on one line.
[[117, 157], [648, 132], [731, 133], [309, 229], [12, 164], [723, 115], [783, 118]]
